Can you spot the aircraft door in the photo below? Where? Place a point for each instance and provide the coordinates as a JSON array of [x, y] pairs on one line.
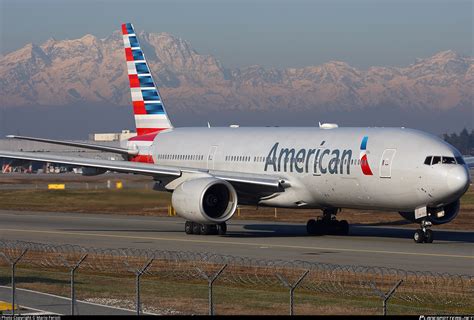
[[211, 157], [386, 163]]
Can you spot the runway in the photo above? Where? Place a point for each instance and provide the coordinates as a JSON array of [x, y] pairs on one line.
[[393, 247]]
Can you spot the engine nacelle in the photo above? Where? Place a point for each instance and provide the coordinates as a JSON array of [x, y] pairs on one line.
[[205, 200], [88, 171], [439, 215]]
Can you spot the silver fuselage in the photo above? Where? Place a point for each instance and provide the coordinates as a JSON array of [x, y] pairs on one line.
[[324, 166]]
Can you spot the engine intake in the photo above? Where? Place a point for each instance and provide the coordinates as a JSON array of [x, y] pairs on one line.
[[438, 215], [205, 200]]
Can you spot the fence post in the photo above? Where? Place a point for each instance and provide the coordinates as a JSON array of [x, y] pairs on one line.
[[73, 292], [13, 265], [292, 288], [386, 296], [138, 274], [210, 283]]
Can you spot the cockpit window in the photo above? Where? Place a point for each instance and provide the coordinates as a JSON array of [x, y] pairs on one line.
[[436, 160], [430, 160], [460, 160], [449, 160]]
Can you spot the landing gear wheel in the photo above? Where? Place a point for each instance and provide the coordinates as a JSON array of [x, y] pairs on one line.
[[206, 229], [344, 227], [196, 228], [214, 229], [331, 227], [222, 229], [315, 227], [419, 236], [428, 236], [188, 227]]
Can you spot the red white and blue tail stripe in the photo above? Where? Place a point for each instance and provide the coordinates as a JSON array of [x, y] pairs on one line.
[[148, 108]]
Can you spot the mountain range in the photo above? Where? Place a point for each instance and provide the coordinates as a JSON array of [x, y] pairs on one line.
[[93, 70]]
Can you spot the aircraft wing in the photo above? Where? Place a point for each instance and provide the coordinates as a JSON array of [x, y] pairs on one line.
[[469, 161], [264, 183], [79, 145]]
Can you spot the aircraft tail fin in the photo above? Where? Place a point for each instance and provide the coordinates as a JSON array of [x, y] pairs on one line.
[[148, 108]]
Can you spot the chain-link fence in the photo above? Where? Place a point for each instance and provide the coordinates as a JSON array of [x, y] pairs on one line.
[[176, 282]]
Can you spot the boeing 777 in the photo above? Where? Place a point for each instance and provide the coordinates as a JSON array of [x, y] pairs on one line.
[[210, 171]]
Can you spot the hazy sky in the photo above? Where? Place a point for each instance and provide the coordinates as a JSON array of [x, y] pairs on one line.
[[271, 33]]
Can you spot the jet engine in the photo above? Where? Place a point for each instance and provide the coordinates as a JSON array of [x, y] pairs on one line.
[[205, 200], [437, 215]]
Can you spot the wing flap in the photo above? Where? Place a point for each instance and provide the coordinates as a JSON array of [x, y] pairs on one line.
[[240, 177]]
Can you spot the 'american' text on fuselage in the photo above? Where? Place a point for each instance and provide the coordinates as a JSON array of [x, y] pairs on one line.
[[320, 160]]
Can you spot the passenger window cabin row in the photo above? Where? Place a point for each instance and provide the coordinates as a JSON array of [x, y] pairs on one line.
[[264, 159], [245, 158], [181, 157]]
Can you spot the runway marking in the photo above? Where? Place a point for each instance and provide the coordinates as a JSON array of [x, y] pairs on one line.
[[240, 243]]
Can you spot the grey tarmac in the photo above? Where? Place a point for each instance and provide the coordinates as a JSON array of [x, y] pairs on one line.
[[452, 251]]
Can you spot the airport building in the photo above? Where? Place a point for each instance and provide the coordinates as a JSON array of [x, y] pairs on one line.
[[106, 139]]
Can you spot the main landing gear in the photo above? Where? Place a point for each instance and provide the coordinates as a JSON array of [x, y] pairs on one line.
[[424, 234], [205, 229], [328, 224]]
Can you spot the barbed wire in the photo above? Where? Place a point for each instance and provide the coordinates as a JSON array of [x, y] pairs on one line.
[[345, 280]]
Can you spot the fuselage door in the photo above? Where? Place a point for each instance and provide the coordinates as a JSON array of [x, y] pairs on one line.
[[211, 156], [386, 163]]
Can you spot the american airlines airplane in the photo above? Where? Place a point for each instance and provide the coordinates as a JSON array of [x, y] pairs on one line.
[[212, 170]]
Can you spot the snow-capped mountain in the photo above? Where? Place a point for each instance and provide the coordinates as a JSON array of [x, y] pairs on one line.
[[93, 70]]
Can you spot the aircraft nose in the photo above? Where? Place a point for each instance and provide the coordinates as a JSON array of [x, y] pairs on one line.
[[458, 179]]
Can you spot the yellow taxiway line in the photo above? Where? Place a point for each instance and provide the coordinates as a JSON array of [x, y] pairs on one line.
[[238, 243]]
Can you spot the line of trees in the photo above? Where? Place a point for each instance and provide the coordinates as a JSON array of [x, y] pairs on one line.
[[464, 141]]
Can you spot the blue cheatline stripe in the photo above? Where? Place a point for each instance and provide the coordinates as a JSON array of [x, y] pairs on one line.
[[141, 67], [363, 145], [129, 28], [154, 108], [137, 54], [133, 41], [146, 81], [150, 95]]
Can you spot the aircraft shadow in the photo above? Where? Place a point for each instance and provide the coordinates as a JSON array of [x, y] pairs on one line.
[[356, 230], [258, 230]]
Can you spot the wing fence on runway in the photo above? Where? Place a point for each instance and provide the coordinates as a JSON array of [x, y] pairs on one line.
[[419, 289]]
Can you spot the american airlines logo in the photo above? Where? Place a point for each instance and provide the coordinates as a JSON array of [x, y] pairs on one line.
[[364, 163], [317, 161]]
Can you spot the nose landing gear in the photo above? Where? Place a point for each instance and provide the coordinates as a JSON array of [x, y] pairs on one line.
[[424, 234], [327, 224]]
